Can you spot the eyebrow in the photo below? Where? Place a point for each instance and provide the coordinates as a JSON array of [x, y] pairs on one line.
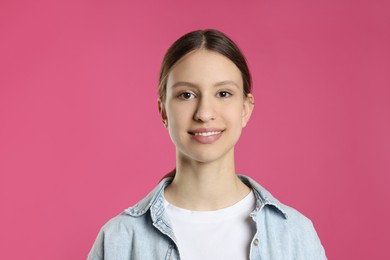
[[220, 83], [227, 82]]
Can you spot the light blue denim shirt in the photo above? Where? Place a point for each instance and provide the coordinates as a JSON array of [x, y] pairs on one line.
[[143, 232]]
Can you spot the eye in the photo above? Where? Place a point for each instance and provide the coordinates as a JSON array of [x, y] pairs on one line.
[[186, 95], [224, 94]]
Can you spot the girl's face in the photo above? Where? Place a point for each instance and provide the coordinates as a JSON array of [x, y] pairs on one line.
[[205, 108]]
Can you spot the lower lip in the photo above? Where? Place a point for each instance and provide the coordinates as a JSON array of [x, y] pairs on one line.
[[206, 139]]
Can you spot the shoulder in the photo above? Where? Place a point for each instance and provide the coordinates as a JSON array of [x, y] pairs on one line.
[[291, 232], [121, 234], [129, 237], [298, 225], [137, 217], [274, 210], [124, 224], [131, 226], [294, 235], [116, 235]]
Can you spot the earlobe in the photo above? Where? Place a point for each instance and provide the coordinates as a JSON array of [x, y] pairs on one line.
[[249, 104]]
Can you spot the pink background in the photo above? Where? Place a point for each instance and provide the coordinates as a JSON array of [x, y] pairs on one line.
[[81, 138]]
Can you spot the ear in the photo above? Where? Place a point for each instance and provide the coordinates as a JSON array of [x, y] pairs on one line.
[[249, 103], [161, 110]]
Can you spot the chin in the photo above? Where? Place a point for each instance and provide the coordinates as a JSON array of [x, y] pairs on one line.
[[205, 156]]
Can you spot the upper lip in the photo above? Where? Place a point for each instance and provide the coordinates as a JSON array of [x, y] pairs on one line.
[[205, 130]]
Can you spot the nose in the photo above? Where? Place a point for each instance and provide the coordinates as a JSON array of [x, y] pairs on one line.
[[205, 110]]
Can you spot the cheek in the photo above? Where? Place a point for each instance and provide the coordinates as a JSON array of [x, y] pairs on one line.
[[233, 113], [235, 118], [178, 114], [181, 110], [179, 120]]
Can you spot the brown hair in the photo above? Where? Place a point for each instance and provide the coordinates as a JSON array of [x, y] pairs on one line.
[[210, 39]]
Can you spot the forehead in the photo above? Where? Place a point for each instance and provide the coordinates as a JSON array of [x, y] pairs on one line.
[[203, 67]]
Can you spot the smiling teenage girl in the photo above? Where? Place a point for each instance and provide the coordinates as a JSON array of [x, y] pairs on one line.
[[203, 210]]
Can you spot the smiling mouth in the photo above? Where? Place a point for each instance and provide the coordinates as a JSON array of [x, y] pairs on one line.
[[206, 133]]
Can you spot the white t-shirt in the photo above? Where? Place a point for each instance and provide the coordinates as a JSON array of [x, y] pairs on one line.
[[221, 234]]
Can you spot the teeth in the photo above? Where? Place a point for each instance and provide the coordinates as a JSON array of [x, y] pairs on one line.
[[208, 133]]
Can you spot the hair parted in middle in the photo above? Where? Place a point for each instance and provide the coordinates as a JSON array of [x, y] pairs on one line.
[[212, 40]]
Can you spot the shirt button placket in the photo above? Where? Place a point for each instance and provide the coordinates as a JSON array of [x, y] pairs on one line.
[[256, 242]]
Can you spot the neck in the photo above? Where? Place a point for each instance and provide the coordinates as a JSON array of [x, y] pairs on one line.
[[205, 186]]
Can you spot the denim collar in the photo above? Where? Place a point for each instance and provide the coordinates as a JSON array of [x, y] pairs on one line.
[[154, 200]]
